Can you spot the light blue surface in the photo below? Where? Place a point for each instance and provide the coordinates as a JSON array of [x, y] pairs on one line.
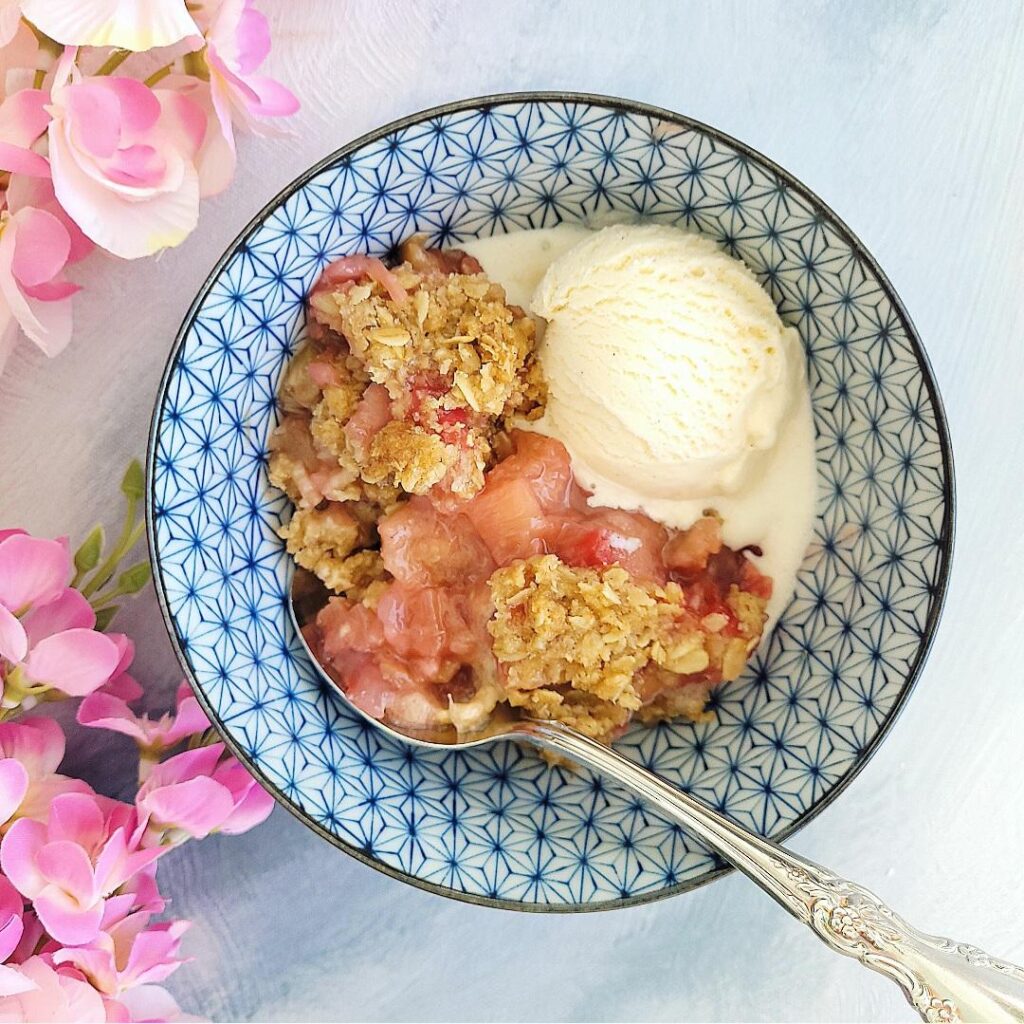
[[905, 118], [498, 823]]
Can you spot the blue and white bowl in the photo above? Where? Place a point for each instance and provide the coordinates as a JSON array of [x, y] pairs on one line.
[[497, 825]]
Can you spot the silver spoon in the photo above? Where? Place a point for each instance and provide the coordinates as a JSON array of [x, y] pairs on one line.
[[942, 979]]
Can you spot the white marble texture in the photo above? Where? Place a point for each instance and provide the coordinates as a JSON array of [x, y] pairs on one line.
[[906, 117]]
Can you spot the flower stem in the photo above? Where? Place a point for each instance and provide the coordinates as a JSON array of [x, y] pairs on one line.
[[38, 78], [102, 600], [159, 74], [195, 64], [51, 46], [113, 62], [130, 534]]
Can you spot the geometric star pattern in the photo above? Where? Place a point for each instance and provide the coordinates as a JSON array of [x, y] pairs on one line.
[[497, 824]]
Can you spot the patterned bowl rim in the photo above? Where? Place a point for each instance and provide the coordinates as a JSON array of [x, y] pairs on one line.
[[820, 207]]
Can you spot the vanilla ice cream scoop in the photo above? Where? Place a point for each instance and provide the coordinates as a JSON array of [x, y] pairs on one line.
[[669, 371]]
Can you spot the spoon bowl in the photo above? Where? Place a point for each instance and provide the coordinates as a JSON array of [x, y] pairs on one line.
[[307, 596]]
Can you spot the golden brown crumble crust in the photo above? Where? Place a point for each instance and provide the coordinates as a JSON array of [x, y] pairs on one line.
[[585, 645]]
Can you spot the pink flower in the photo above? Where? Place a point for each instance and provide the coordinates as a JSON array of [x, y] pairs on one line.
[[121, 156], [130, 24], [130, 953], [198, 792], [71, 865], [44, 314], [60, 994], [46, 635], [34, 295], [237, 43], [105, 710], [30, 752]]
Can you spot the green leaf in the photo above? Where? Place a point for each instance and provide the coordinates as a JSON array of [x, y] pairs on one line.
[[134, 578], [104, 616], [133, 485], [88, 554]]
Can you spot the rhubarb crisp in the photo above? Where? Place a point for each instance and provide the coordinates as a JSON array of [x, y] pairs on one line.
[[469, 568]]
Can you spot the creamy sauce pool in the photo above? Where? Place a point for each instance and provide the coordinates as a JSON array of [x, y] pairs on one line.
[[775, 509]]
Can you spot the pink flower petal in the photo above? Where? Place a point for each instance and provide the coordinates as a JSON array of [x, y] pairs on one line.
[[251, 810], [18, 852], [38, 192], [76, 819], [139, 893], [139, 105], [96, 964], [220, 100], [23, 161], [12, 532], [131, 24], [67, 866], [183, 122], [215, 159], [13, 641], [103, 711], [32, 569], [147, 1003], [13, 982], [65, 919], [24, 117], [12, 907], [189, 720], [139, 166], [42, 793], [197, 806], [11, 904], [124, 687], [116, 1011], [252, 40], [272, 98], [53, 997], [85, 1005], [51, 291], [38, 743], [69, 610], [189, 764], [48, 324], [139, 860], [96, 115], [76, 662], [42, 248], [111, 863], [32, 938], [125, 651], [13, 787], [10, 20], [154, 952]]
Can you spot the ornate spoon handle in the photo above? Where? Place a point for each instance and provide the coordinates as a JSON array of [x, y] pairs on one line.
[[943, 980]]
